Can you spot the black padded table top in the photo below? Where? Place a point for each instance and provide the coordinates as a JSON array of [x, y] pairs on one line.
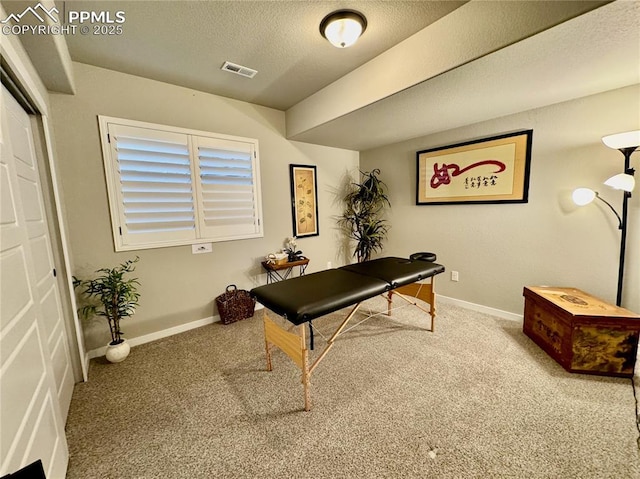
[[396, 271], [313, 295], [308, 297]]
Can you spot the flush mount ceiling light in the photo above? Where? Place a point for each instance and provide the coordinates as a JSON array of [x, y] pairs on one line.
[[343, 27]]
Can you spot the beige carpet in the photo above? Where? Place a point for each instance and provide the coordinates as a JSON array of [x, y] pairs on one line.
[[476, 398]]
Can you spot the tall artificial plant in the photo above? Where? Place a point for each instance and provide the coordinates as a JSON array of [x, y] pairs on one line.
[[110, 295], [363, 219]]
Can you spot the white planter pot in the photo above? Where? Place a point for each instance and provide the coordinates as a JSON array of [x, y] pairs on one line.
[[118, 352]]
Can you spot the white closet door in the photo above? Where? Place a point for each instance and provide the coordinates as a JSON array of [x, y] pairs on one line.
[[36, 380]]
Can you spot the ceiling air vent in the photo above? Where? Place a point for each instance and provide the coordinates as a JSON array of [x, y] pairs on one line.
[[239, 70]]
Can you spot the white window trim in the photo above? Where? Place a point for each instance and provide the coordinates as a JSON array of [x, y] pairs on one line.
[[114, 192]]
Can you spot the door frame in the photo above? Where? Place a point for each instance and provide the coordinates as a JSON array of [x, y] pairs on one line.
[[24, 77]]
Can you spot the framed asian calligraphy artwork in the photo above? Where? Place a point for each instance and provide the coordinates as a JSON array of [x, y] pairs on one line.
[[490, 170], [304, 200]]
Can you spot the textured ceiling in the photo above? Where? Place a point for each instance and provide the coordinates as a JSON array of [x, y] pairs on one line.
[[186, 42], [445, 64], [577, 58]]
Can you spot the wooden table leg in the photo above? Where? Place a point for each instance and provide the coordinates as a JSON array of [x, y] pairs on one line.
[[432, 303], [306, 375], [266, 342], [423, 291]]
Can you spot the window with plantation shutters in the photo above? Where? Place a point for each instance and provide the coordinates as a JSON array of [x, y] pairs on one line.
[[154, 187], [171, 186], [227, 187]]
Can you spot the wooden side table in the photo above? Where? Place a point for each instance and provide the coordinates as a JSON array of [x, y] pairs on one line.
[[582, 333], [280, 272]]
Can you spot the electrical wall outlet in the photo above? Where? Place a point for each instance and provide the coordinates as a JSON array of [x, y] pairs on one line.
[[201, 248], [454, 276]]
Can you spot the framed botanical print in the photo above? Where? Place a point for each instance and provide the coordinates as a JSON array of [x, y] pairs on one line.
[[304, 200]]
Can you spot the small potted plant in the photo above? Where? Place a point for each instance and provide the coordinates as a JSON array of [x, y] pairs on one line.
[[291, 249], [110, 295]]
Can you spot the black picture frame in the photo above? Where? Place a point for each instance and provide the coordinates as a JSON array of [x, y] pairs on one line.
[[304, 200], [500, 164]]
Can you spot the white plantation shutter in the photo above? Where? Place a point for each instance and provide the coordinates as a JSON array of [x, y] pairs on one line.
[[155, 187], [227, 187], [170, 186]]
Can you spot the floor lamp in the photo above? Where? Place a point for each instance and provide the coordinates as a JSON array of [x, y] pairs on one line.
[[626, 143]]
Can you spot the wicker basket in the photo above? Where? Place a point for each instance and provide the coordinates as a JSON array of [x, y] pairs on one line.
[[234, 304]]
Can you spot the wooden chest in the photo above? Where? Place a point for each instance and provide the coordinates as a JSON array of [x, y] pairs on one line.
[[582, 333]]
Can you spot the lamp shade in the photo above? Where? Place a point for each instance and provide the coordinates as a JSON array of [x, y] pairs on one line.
[[629, 139], [343, 28], [583, 196], [621, 181]]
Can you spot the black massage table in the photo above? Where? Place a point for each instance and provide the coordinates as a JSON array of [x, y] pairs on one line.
[[301, 300]]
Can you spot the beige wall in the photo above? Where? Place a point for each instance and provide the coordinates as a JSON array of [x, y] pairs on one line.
[[498, 249], [177, 286]]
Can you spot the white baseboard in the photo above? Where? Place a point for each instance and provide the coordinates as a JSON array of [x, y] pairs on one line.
[[480, 308], [165, 333], [147, 338]]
